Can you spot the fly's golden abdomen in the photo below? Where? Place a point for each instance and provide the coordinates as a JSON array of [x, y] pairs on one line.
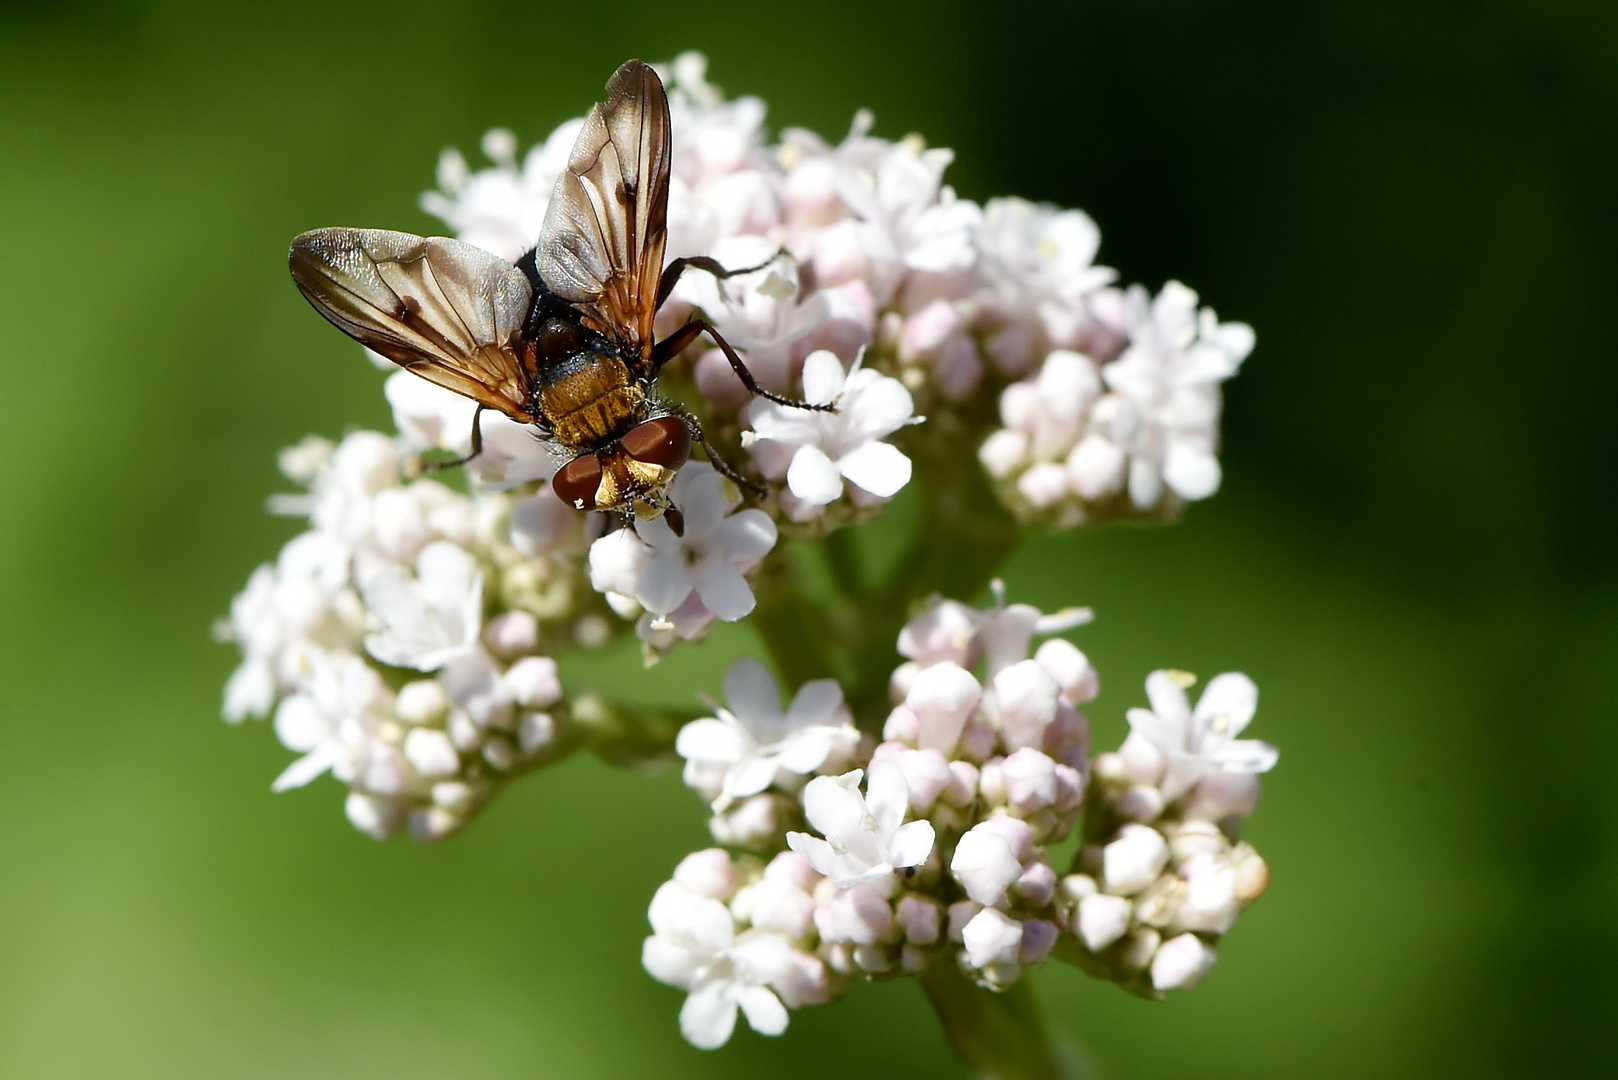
[[592, 404]]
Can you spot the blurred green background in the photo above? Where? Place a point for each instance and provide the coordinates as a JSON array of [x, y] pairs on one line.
[[1413, 553]]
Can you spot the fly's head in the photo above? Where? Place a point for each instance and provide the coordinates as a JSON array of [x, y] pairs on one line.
[[631, 476]]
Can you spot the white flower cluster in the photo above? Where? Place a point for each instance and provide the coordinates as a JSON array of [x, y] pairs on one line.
[[1163, 876], [932, 846], [404, 642], [1089, 436], [862, 246], [398, 642]]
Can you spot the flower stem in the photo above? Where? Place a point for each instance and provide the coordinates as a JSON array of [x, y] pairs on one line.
[[998, 1033], [962, 538]]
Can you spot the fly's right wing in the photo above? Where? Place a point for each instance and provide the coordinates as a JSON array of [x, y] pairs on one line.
[[447, 311], [601, 248]]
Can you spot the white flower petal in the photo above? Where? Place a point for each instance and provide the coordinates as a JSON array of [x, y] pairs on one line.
[[805, 750], [303, 770], [710, 739], [817, 702], [1246, 756], [708, 1016], [747, 537], [751, 775], [813, 477], [723, 589], [823, 377], [1227, 704], [764, 1011], [912, 843], [1167, 698], [878, 467], [1192, 471], [669, 962], [664, 584], [887, 795], [751, 693]]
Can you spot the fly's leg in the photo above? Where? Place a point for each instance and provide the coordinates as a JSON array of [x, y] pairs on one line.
[[757, 490], [672, 272], [477, 448], [670, 347]]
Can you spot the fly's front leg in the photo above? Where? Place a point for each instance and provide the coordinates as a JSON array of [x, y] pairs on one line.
[[757, 490], [671, 346], [672, 272]]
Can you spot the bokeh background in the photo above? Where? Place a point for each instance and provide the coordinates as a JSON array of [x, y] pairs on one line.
[[1413, 553]]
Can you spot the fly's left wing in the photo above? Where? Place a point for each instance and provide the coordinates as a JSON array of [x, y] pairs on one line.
[[447, 311], [601, 248]]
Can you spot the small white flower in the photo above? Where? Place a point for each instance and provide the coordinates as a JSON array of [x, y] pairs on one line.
[[1102, 920], [1181, 962], [1133, 861], [694, 946], [985, 865], [865, 836], [431, 618], [750, 742], [846, 444], [333, 721], [708, 561], [1201, 742], [1167, 388]]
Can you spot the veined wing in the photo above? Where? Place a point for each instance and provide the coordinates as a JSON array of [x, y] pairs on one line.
[[601, 248], [448, 311]]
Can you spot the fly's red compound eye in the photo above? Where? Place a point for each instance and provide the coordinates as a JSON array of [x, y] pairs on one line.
[[665, 442], [577, 482]]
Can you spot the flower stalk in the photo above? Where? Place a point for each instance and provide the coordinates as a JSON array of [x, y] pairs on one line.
[[1000, 1034]]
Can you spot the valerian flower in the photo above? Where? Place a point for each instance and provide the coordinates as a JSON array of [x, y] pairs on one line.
[[1196, 743], [694, 946], [866, 838], [663, 570], [827, 448], [740, 751]]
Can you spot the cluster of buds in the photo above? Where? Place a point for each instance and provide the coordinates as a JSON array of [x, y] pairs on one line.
[[1125, 431], [1163, 873], [935, 847], [403, 642]]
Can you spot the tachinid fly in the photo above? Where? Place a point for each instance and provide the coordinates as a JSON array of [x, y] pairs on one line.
[[562, 340]]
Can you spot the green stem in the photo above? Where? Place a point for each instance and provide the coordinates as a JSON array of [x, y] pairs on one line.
[[962, 538], [998, 1033]]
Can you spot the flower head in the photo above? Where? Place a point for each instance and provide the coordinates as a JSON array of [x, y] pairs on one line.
[[830, 447], [746, 745], [694, 946], [866, 839], [662, 571], [1196, 743]]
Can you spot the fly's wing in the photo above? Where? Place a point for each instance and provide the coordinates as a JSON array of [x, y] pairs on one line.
[[601, 248], [448, 311]]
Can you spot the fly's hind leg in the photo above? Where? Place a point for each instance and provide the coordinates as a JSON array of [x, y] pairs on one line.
[[477, 448]]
